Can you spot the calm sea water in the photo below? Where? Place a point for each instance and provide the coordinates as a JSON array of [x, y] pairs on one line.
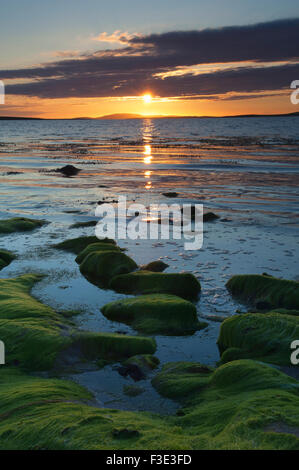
[[245, 170]]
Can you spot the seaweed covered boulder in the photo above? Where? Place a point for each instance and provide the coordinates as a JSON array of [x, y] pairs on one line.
[[266, 337], [76, 245], [155, 313], [241, 405], [155, 266], [101, 266], [89, 223], [139, 366], [30, 330], [144, 282], [265, 291], [112, 346], [6, 257], [96, 247], [20, 224], [179, 380]]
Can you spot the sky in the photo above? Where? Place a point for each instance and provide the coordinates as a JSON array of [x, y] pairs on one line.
[[73, 58]]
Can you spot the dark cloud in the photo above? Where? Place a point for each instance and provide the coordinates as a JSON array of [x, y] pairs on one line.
[[132, 70]]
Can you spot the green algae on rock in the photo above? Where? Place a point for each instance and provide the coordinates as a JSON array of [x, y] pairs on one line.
[[267, 289], [262, 336], [155, 313], [112, 346], [89, 223], [30, 330], [6, 257], [234, 406], [96, 247], [20, 224], [75, 245], [145, 282], [155, 266], [101, 266]]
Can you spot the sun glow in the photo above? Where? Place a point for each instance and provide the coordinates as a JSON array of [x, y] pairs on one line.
[[147, 98]]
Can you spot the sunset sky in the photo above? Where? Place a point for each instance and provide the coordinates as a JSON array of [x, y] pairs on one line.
[[72, 58]]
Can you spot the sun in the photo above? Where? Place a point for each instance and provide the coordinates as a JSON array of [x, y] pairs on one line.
[[147, 98]]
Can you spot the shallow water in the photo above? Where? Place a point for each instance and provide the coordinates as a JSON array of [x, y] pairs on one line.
[[245, 170]]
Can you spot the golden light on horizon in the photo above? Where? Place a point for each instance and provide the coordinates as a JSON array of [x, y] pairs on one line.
[[147, 98]]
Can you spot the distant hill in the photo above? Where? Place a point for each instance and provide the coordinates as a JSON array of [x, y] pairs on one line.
[[140, 116]]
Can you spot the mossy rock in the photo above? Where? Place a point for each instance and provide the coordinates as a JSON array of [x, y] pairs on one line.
[[139, 366], [144, 282], [75, 245], [155, 266], [6, 257], [155, 313], [30, 330], [133, 390], [89, 223], [101, 266], [112, 346], [241, 405], [96, 247], [20, 224], [276, 293], [262, 336], [177, 380]]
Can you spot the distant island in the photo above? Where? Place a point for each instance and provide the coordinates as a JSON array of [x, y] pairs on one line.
[[141, 116]]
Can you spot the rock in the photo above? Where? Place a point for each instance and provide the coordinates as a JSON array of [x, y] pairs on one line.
[[101, 266], [274, 292], [155, 266], [93, 247], [263, 305], [76, 245], [90, 223], [20, 224], [112, 346], [6, 257], [155, 313], [262, 336], [210, 216], [171, 194], [145, 282], [68, 170]]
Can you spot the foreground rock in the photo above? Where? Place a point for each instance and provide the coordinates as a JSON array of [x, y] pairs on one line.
[[76, 245], [138, 367], [241, 405], [89, 223], [155, 313], [265, 292], [101, 266], [20, 224], [6, 257], [263, 336], [144, 282]]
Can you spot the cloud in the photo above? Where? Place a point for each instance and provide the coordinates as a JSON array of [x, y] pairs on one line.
[[146, 62], [117, 37]]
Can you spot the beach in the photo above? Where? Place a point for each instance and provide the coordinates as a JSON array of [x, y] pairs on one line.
[[244, 170]]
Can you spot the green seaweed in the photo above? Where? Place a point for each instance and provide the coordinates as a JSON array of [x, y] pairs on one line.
[[75, 245], [101, 266], [262, 336], [89, 223], [267, 289], [20, 224], [96, 247], [6, 257], [144, 282], [112, 346], [155, 313], [30, 330]]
